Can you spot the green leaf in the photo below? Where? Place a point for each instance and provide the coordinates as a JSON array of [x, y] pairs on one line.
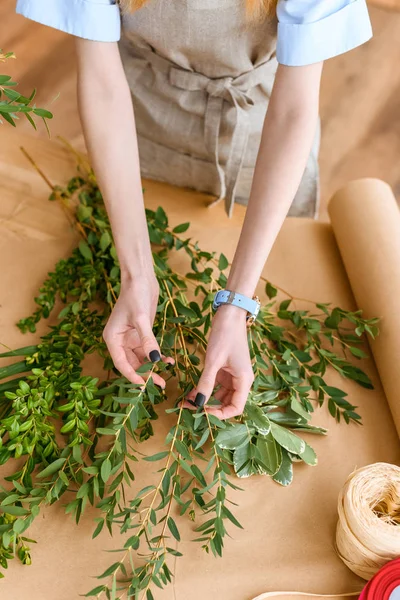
[[132, 542], [270, 290], [155, 457], [31, 121], [332, 407], [9, 119], [287, 440], [358, 352], [105, 241], [173, 528], [298, 408], [223, 262], [10, 499], [52, 468], [20, 525], [95, 591], [16, 511], [69, 425], [334, 319], [333, 391], [203, 439], [85, 250], [198, 474], [41, 112], [98, 529], [269, 453], [109, 571], [285, 474], [233, 437], [257, 418], [181, 228], [105, 470], [309, 456], [227, 513], [24, 387], [242, 461], [357, 375], [84, 212]]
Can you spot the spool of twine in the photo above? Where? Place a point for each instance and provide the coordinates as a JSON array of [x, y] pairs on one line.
[[368, 530]]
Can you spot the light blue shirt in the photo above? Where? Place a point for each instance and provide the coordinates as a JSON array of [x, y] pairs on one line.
[[309, 31]]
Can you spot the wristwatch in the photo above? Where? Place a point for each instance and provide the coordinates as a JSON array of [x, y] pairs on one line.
[[251, 305]]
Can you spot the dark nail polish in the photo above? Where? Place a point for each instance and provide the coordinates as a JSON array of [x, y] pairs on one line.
[[190, 402], [154, 356], [200, 400]]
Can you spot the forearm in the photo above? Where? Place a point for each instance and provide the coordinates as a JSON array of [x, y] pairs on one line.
[[287, 136], [109, 126]]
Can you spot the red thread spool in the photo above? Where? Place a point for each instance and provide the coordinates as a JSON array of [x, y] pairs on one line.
[[383, 583]]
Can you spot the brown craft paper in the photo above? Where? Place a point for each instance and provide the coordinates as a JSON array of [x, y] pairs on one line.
[[288, 538], [366, 222]]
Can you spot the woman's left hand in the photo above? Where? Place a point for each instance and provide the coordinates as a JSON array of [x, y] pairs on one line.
[[227, 365]]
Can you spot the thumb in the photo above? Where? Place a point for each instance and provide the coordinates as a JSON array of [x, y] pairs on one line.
[[148, 340], [206, 385]]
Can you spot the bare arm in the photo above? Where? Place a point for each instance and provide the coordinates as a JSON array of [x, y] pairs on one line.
[[108, 122], [287, 136]]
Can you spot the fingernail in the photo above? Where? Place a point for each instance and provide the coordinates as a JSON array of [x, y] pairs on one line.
[[200, 400], [154, 356], [190, 402]]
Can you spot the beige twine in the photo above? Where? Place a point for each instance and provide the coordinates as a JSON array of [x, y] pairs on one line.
[[368, 532]]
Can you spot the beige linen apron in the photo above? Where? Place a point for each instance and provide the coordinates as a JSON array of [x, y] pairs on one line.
[[201, 77]]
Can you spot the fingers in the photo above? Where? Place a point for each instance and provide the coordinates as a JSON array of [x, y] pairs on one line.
[[147, 338], [136, 363], [167, 359], [234, 405], [123, 365], [205, 386]]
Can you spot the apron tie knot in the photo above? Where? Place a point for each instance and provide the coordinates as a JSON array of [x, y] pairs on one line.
[[235, 91], [231, 90]]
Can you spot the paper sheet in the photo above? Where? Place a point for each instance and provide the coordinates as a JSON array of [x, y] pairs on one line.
[[288, 538]]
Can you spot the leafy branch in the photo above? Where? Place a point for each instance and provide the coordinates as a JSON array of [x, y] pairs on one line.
[[13, 102], [69, 432]]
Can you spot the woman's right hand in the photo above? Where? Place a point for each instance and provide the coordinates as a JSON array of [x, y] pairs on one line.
[[129, 334]]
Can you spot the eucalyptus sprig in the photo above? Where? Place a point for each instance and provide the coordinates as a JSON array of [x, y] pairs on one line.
[[67, 431], [12, 102]]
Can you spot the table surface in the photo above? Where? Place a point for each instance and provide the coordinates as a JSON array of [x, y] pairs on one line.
[[288, 535]]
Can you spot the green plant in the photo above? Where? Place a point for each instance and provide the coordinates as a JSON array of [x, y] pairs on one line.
[[55, 420], [12, 102]]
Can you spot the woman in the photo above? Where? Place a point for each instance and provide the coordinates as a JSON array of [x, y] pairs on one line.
[[201, 74]]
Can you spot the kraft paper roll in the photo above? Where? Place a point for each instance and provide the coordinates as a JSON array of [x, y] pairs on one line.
[[366, 223]]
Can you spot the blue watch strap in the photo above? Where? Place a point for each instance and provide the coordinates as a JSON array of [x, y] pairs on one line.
[[229, 297]]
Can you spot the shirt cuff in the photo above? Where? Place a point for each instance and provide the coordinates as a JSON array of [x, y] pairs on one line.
[[90, 19], [308, 43]]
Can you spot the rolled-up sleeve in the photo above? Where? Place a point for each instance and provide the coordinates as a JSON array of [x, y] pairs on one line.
[[97, 20], [311, 31]]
